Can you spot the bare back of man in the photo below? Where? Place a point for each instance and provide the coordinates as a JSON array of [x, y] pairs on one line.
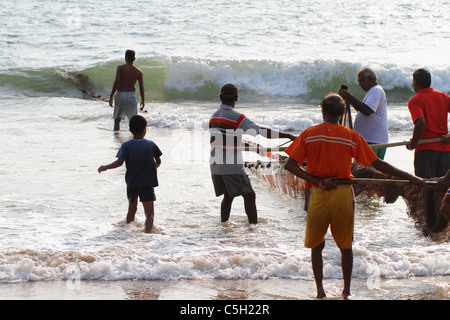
[[128, 74]]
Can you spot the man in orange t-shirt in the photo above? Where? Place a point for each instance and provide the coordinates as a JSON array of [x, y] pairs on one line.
[[329, 149], [429, 111]]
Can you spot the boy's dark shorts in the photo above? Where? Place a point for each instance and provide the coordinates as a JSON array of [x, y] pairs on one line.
[[233, 184], [145, 194]]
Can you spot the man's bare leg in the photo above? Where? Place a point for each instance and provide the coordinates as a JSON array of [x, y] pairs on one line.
[[225, 207], [317, 265], [347, 266], [117, 124], [250, 207]]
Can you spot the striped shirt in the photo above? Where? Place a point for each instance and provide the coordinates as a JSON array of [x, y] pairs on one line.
[[329, 150], [447, 196], [226, 128]]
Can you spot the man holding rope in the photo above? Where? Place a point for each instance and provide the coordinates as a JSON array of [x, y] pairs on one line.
[[227, 168], [329, 149], [429, 111], [371, 119]]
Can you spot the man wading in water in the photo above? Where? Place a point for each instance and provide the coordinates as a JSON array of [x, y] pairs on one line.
[[329, 149], [126, 103]]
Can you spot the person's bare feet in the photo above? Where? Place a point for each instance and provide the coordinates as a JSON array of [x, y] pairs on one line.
[[321, 294], [346, 294]]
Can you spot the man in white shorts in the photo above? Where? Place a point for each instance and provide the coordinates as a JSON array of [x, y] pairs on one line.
[[126, 102]]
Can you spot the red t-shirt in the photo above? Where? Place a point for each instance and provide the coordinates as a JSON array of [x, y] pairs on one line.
[[329, 149], [434, 107]]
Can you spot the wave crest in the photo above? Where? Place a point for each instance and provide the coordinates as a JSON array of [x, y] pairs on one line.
[[185, 78]]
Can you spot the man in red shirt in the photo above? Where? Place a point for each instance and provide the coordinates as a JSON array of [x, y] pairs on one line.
[[429, 111]]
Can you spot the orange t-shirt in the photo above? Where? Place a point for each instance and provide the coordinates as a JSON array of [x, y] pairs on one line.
[[434, 107], [329, 150]]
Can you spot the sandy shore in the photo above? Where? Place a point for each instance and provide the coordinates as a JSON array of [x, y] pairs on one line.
[[435, 288], [226, 299]]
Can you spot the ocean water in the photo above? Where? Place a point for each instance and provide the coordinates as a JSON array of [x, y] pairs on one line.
[[61, 220]]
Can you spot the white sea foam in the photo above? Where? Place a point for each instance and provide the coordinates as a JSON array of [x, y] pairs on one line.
[[281, 79], [204, 263]]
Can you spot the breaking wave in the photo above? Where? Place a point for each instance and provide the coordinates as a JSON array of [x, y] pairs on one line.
[[184, 78]]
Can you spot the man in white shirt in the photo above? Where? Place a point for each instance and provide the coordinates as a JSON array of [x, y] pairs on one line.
[[371, 119]]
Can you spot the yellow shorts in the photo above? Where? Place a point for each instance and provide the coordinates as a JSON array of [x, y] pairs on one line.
[[333, 208]]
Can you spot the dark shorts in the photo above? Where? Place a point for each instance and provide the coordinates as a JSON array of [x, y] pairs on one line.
[[145, 194], [431, 163], [233, 184]]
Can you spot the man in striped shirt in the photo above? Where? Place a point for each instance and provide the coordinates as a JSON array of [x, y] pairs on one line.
[[227, 167], [329, 149]]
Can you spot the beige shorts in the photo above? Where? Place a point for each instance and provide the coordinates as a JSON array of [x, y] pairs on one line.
[[125, 105], [334, 208]]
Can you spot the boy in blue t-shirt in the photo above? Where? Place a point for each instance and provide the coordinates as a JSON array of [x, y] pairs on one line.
[[142, 158]]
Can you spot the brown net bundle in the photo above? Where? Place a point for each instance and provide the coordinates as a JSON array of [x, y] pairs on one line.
[[422, 204], [84, 83], [423, 207], [388, 192], [87, 87]]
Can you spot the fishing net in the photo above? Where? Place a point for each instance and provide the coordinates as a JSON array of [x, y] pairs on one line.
[[278, 178], [422, 204], [84, 83]]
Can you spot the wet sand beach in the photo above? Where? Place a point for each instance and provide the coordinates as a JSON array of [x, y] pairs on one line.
[[418, 288]]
